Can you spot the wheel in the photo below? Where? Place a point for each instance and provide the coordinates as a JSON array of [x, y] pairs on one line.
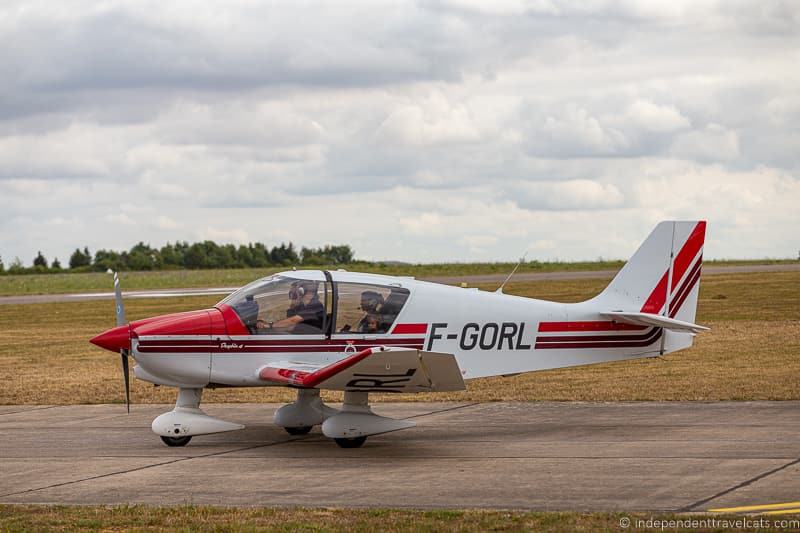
[[355, 442], [176, 441], [302, 430]]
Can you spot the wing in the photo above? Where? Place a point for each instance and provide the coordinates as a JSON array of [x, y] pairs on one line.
[[373, 370], [649, 319]]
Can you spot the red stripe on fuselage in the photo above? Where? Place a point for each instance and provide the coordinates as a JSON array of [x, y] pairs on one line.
[[588, 325], [591, 338], [651, 338], [225, 346], [288, 342], [418, 329], [246, 349]]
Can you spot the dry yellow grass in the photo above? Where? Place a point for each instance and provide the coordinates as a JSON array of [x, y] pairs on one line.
[[208, 518], [752, 352]]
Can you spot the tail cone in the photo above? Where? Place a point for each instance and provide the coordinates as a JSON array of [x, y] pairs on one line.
[[115, 339]]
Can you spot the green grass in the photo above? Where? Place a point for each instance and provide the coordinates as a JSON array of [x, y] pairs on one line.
[[208, 518], [751, 353], [171, 279]]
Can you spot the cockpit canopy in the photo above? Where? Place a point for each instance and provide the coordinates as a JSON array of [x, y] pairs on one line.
[[280, 304]]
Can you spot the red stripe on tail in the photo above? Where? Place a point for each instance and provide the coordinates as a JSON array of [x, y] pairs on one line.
[[655, 302]]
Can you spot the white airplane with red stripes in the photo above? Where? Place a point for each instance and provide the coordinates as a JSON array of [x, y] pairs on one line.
[[365, 333]]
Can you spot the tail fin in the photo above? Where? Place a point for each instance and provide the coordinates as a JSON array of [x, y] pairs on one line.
[[662, 277]]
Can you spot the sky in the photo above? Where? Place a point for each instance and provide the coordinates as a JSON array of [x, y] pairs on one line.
[[428, 131]]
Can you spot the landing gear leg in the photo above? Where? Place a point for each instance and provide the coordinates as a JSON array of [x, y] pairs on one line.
[[187, 399], [306, 412], [177, 427], [356, 421]]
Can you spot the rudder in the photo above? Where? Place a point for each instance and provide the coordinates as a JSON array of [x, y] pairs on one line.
[[662, 277]]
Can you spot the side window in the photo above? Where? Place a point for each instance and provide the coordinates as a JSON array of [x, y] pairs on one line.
[[281, 306], [364, 308]]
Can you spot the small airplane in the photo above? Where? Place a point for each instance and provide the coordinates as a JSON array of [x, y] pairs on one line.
[[368, 333]]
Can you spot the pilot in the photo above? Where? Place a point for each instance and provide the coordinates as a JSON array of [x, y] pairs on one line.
[[305, 313], [370, 304]]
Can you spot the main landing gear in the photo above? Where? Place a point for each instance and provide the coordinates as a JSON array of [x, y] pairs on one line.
[[177, 427], [349, 427], [306, 412]]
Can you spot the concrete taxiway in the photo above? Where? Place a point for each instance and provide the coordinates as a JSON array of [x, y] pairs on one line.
[[648, 456]]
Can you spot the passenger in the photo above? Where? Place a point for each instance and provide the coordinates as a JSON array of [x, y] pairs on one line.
[[371, 302], [305, 313], [372, 324]]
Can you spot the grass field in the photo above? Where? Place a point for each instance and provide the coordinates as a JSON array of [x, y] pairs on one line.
[[172, 279], [751, 353], [207, 518]]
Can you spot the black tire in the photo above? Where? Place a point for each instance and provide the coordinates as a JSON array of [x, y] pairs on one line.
[[302, 430], [355, 442], [176, 441]]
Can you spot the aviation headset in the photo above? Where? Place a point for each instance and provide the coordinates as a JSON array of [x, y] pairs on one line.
[[298, 290]]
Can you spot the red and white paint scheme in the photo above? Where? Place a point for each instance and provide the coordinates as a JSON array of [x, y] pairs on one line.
[[363, 333]]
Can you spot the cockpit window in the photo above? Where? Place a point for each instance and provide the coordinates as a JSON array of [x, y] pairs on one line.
[[367, 309], [281, 305]]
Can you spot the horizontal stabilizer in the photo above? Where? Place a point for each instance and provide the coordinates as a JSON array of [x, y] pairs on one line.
[[373, 370], [649, 319]]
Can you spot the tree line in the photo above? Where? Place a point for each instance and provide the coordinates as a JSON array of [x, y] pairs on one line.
[[182, 255]]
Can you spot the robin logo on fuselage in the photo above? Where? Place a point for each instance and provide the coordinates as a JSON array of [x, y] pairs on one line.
[[489, 336], [379, 382]]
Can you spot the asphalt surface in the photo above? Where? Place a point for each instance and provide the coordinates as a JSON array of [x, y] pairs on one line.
[[470, 280], [648, 456]]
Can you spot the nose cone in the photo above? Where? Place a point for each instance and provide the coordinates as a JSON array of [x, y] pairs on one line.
[[114, 339]]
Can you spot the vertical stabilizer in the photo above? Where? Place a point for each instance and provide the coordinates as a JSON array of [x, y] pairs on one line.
[[662, 278]]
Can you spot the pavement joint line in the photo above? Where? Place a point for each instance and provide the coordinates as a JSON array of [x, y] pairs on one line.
[[444, 410], [31, 409], [743, 484], [438, 457], [145, 467]]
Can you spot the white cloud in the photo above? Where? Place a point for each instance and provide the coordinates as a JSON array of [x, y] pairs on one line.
[[714, 143], [119, 218], [432, 121], [164, 222], [659, 118], [224, 235], [574, 132], [477, 244], [570, 194], [422, 224]]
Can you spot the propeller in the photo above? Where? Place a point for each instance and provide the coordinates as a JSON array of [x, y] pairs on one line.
[[123, 352]]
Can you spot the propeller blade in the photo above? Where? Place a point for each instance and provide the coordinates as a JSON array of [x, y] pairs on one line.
[[118, 300], [120, 308], [126, 375]]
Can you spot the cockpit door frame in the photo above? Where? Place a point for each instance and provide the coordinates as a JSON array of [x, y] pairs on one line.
[[330, 325]]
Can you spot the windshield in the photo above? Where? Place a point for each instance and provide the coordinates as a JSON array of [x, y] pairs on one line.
[[280, 305]]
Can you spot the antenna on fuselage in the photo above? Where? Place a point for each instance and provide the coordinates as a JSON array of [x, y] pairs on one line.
[[522, 259]]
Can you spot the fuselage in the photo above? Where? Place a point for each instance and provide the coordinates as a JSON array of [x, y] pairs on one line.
[[489, 333]]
